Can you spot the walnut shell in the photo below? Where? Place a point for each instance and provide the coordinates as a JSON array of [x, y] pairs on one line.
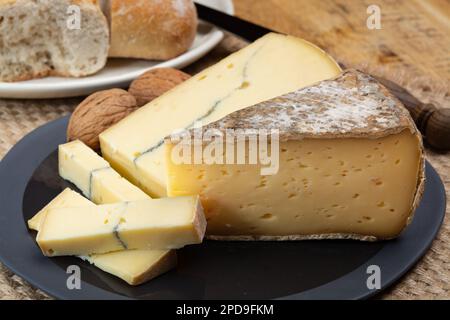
[[97, 113], [154, 83]]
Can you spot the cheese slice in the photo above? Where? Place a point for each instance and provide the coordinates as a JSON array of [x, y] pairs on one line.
[[169, 223], [67, 198], [135, 266], [271, 66], [94, 176], [350, 166]]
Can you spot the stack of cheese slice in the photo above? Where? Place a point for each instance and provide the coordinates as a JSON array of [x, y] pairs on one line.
[[98, 181], [350, 166], [273, 65], [133, 266]]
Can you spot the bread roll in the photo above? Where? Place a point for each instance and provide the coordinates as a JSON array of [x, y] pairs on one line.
[[37, 39], [152, 29]]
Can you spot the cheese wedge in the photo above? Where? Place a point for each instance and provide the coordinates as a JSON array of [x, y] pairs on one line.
[[350, 166], [94, 176], [169, 223], [273, 65]]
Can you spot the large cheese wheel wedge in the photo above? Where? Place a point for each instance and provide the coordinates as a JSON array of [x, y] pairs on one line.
[[350, 166]]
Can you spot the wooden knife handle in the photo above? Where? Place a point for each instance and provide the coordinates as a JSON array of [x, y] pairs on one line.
[[433, 122]]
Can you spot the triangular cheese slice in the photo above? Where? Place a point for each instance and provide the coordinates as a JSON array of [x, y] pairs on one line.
[[350, 165]]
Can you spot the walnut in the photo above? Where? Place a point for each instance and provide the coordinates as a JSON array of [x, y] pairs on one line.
[[154, 83], [97, 113]]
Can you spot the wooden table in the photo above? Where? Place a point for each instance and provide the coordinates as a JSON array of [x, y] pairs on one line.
[[412, 48]]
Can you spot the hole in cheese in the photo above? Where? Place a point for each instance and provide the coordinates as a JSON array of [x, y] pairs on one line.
[[377, 181], [381, 204]]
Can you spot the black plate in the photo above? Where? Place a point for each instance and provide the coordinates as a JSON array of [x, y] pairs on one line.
[[213, 270]]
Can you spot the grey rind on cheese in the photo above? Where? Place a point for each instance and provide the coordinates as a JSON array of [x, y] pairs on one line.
[[352, 105], [327, 236]]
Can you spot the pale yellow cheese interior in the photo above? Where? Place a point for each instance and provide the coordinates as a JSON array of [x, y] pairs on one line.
[[135, 266], [169, 223], [324, 186], [273, 65], [94, 176], [67, 198]]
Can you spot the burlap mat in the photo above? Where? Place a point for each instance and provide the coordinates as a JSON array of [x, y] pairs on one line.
[[430, 279]]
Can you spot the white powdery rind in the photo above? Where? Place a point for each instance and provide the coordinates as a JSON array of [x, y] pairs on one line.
[[352, 105]]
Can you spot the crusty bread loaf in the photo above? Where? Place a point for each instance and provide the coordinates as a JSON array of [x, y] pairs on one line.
[[35, 40], [151, 29]]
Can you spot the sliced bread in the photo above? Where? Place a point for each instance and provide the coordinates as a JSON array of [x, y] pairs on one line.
[[40, 38]]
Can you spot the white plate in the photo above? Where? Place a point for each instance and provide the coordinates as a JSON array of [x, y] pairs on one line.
[[118, 72]]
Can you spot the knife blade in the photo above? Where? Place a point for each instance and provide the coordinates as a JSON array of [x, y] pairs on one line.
[[242, 28]]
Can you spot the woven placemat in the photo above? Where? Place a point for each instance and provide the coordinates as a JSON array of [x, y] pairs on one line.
[[430, 279]]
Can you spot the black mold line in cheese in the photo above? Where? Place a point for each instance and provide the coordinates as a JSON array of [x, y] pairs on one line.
[[91, 176], [211, 110], [116, 231], [117, 236]]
